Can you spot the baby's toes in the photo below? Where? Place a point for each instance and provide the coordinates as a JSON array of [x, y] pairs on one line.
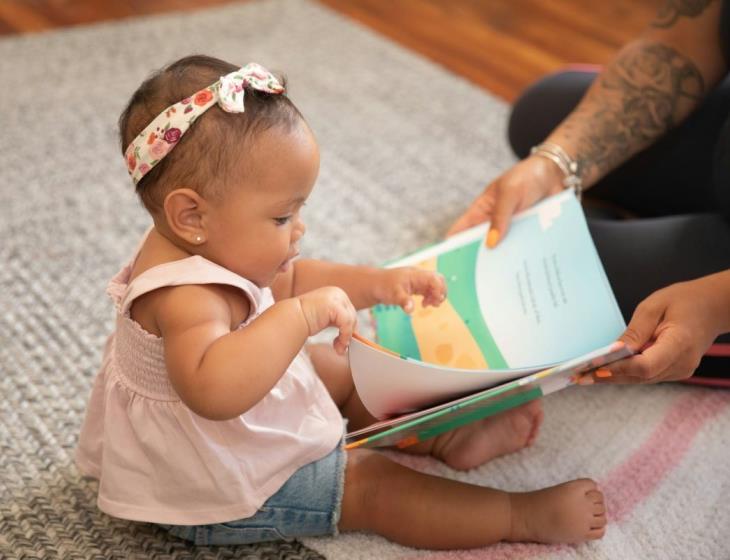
[[536, 423], [594, 494], [599, 508], [589, 488], [595, 534]]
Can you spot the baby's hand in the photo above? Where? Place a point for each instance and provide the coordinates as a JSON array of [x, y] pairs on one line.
[[330, 307], [398, 285]]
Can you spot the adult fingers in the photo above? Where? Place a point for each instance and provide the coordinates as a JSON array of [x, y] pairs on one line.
[[671, 357], [643, 325], [478, 212], [652, 365], [620, 378], [505, 204]]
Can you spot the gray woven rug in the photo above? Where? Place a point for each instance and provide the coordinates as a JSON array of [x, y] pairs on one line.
[[405, 145]]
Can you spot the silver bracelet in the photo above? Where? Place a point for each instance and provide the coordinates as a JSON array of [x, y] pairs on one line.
[[567, 165]]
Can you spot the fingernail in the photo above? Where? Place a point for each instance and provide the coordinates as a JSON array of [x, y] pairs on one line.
[[492, 238], [603, 372], [586, 380]]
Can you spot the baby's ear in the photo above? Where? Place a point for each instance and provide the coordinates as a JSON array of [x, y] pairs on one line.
[[184, 211]]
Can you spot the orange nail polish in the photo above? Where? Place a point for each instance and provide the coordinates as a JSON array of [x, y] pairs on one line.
[[603, 373], [492, 238]]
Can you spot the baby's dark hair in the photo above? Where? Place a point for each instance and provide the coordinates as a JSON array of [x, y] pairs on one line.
[[206, 154]]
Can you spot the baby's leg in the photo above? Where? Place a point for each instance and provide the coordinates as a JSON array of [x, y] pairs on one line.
[[334, 371], [464, 448], [478, 442], [425, 511]]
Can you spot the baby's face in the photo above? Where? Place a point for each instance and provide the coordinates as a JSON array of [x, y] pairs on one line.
[[255, 230]]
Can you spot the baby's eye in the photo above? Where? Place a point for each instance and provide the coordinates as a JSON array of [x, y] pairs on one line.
[[282, 220]]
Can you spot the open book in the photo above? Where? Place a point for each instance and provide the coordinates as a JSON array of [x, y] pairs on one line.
[[520, 321]]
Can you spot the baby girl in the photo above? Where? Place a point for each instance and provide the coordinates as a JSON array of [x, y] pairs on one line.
[[210, 417]]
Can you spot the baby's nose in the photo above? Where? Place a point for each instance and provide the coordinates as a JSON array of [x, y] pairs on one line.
[[299, 231]]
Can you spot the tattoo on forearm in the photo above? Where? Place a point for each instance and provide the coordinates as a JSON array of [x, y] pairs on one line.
[[672, 10], [636, 100]]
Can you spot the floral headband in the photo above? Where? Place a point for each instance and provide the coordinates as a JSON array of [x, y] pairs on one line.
[[163, 133]]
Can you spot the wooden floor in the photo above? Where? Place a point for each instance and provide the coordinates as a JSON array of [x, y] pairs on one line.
[[501, 45]]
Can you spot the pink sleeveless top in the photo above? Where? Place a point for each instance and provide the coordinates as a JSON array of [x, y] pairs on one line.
[[156, 460]]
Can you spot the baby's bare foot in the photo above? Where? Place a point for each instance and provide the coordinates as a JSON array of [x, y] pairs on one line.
[[572, 512], [476, 443]]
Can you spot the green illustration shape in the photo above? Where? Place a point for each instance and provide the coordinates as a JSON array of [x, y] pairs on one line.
[[395, 331]]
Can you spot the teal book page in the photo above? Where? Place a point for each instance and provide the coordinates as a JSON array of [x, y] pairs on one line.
[[539, 298]]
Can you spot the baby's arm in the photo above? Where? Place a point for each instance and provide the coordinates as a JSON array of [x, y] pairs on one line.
[[366, 286], [220, 373]]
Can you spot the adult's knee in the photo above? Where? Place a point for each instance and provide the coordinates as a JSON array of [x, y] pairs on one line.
[[543, 106]]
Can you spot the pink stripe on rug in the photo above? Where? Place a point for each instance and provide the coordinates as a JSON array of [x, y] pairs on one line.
[[636, 479], [631, 482]]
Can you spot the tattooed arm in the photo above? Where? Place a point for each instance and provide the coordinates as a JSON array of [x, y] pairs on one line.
[[672, 10], [650, 86]]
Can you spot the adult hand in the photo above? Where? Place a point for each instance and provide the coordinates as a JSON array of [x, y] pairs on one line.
[[521, 186], [674, 327]]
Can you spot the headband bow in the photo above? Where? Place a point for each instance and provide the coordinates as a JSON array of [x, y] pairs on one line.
[[164, 132]]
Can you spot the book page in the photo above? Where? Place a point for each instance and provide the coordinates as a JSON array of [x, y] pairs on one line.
[[412, 428], [540, 297]]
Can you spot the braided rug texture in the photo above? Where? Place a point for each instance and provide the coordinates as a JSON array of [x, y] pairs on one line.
[[405, 145]]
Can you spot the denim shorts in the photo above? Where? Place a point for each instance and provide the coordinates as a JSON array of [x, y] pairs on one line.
[[307, 505]]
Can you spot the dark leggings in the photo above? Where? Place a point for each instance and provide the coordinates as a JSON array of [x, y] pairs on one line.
[[683, 229]]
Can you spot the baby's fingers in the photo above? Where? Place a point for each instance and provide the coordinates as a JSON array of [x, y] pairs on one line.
[[404, 299], [436, 293], [345, 320], [430, 285]]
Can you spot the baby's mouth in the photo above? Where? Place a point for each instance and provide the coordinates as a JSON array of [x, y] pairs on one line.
[[293, 254], [289, 259]]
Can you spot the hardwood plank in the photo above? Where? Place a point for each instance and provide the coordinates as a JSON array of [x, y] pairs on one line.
[[501, 45], [504, 45], [22, 16], [38, 15]]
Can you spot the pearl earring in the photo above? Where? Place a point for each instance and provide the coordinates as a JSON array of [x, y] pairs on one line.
[[198, 238]]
